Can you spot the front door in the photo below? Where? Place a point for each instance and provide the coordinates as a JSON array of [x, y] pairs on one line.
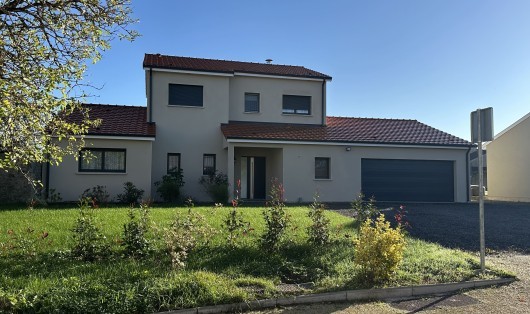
[[253, 180]]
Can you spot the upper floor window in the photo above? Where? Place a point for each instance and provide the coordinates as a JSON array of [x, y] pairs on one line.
[[185, 95], [208, 164], [293, 104], [173, 162], [322, 168], [102, 160], [251, 102]]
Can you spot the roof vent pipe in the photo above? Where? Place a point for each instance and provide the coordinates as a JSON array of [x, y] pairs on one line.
[[269, 61]]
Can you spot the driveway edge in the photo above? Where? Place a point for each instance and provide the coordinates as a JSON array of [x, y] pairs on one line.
[[349, 295]]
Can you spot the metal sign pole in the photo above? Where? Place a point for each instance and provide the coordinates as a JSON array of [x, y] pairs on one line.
[[481, 196]]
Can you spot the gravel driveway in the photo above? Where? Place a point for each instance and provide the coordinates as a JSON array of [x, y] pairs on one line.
[[507, 225], [507, 228]]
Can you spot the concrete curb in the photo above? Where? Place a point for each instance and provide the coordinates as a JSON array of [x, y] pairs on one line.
[[350, 295]]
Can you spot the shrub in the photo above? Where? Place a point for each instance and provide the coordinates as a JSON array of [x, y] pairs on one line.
[[134, 239], [276, 219], [54, 196], [26, 242], [131, 194], [319, 229], [216, 185], [169, 186], [401, 218], [379, 249], [234, 222], [89, 243], [364, 210], [184, 234], [98, 195]]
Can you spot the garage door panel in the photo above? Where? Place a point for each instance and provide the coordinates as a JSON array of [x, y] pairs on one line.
[[408, 180]]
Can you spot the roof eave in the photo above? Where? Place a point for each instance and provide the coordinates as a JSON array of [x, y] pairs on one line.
[[349, 142]]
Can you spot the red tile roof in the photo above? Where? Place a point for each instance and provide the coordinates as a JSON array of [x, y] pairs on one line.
[[345, 130], [117, 120], [227, 66]]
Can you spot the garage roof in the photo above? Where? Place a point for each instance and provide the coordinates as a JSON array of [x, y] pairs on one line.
[[346, 130]]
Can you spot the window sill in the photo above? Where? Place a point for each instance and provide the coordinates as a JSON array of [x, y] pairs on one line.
[[182, 106], [297, 114], [100, 173], [252, 112], [323, 179]]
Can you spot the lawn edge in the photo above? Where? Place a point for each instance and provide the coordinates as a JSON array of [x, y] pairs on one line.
[[380, 294]]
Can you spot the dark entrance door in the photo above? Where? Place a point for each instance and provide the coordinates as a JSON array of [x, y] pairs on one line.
[[408, 180], [259, 178], [255, 177]]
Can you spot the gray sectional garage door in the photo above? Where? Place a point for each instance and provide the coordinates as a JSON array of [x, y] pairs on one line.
[[408, 180]]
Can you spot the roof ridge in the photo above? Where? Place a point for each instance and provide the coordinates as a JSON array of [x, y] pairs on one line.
[[370, 118], [226, 60], [112, 105]]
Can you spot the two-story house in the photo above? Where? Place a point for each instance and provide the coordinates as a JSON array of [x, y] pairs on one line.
[[255, 122]]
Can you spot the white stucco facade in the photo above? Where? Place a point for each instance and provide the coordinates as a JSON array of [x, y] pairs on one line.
[[67, 180], [294, 163], [508, 171]]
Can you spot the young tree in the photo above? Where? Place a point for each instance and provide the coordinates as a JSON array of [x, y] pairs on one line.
[[44, 49]]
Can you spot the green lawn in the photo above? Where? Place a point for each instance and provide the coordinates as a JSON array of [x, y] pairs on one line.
[[50, 280]]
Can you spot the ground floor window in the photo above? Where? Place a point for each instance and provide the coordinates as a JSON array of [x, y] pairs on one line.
[[208, 164], [322, 168], [173, 162], [102, 160]]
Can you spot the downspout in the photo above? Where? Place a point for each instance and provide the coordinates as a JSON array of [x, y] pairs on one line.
[[150, 94], [468, 173], [47, 180], [324, 102]]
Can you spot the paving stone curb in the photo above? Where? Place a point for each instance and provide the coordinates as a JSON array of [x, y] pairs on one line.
[[349, 295]]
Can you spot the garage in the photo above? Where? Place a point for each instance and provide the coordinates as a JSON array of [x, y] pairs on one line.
[[408, 180]]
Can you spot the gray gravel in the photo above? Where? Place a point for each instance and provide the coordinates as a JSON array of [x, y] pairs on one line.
[[507, 225]]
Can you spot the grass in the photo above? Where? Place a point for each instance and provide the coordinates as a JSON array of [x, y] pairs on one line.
[[43, 278]]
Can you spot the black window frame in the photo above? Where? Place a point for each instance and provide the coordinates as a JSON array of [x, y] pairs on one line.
[[328, 170], [102, 150], [167, 164], [259, 102], [295, 110], [204, 172], [185, 104]]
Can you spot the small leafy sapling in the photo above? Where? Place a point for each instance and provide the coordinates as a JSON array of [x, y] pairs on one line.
[[276, 218], [89, 242], [364, 210], [135, 241], [318, 231], [184, 234], [234, 222]]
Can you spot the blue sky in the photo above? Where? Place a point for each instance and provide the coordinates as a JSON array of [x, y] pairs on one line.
[[430, 60]]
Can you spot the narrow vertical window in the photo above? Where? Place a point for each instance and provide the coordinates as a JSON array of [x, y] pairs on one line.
[[173, 162], [208, 164], [251, 102], [322, 168]]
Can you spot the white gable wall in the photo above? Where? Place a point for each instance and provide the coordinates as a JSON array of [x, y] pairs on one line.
[[508, 166]]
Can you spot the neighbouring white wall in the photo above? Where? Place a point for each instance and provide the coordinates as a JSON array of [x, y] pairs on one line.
[[508, 166], [190, 131], [345, 183], [67, 180], [271, 92]]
